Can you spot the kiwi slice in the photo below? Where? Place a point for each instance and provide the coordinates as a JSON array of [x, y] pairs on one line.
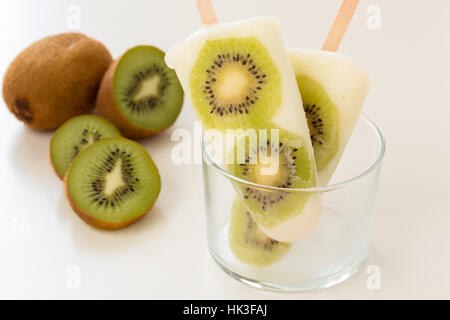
[[248, 243], [140, 94], [73, 136], [235, 83], [112, 183], [323, 120], [294, 169]]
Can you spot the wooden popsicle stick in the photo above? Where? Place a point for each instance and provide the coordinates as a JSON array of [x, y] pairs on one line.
[[340, 24], [206, 11]]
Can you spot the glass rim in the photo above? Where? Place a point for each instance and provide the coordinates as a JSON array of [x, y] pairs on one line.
[[329, 187]]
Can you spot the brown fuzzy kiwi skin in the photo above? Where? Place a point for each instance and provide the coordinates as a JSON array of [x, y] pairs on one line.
[[96, 223], [55, 79], [108, 109]]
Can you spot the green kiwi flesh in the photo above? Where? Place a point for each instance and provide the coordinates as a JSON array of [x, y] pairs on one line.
[[295, 170], [147, 92], [113, 181], [235, 83], [248, 243], [76, 134], [323, 120]]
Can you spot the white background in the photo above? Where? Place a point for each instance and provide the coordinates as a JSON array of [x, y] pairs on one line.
[[165, 255]]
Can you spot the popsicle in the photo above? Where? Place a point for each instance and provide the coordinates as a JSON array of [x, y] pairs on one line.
[[238, 76], [333, 89]]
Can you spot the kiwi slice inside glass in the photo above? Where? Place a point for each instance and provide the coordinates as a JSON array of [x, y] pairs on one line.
[[323, 120], [75, 135], [112, 183], [248, 243], [294, 169], [235, 83], [146, 91]]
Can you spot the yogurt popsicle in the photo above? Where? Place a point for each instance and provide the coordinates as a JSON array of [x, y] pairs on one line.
[[238, 76], [333, 89]]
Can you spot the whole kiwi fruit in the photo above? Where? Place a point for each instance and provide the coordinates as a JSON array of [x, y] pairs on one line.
[[55, 79]]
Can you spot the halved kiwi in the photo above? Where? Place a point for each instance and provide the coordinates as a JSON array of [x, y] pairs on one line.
[[112, 183], [248, 243], [282, 164], [140, 94], [323, 120], [73, 136], [235, 83]]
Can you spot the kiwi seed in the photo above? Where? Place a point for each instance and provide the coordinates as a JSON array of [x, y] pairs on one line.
[[315, 123]]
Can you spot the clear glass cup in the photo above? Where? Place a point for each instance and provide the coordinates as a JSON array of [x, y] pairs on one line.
[[340, 241]]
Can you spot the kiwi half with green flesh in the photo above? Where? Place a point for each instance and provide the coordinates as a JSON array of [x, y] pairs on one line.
[[238, 75], [333, 89], [140, 94], [55, 79], [73, 136], [248, 243], [282, 214], [112, 183]]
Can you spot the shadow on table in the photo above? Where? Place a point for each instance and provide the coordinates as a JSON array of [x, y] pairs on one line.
[[30, 154], [91, 239]]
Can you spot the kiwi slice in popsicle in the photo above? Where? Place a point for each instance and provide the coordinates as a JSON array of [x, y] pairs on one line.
[[323, 120], [235, 83], [333, 89], [248, 243], [284, 164]]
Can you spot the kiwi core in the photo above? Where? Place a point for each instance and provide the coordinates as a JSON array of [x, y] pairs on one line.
[[148, 88], [266, 179], [267, 174], [113, 180], [233, 84]]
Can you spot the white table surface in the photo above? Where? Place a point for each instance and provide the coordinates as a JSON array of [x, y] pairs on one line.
[[43, 243]]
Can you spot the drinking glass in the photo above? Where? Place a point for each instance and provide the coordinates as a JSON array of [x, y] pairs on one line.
[[340, 241]]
